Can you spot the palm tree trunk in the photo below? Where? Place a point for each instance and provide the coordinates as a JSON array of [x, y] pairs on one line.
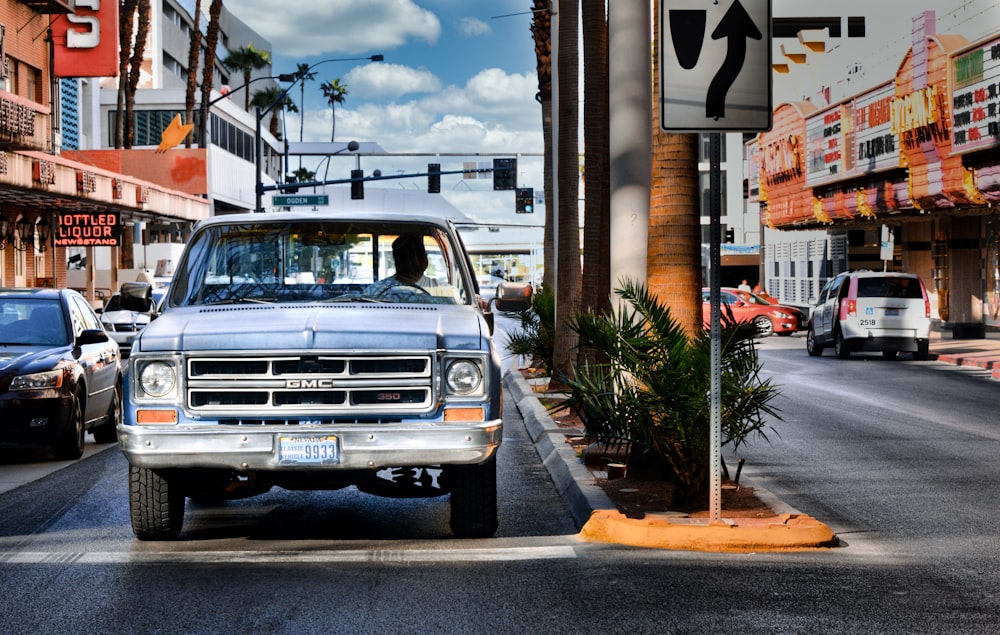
[[333, 120], [673, 257], [208, 72], [194, 55], [541, 31], [596, 287], [568, 177], [135, 71], [125, 32]]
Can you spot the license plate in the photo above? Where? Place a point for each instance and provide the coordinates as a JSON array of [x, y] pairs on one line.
[[319, 450], [892, 312]]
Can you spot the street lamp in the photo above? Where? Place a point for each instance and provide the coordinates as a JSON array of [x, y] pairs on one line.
[[293, 78]]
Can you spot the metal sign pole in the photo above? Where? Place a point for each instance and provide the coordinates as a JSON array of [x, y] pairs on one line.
[[715, 435]]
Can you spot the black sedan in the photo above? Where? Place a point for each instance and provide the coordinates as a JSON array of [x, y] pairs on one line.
[[60, 373]]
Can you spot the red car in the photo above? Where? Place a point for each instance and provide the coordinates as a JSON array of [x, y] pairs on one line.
[[747, 307]]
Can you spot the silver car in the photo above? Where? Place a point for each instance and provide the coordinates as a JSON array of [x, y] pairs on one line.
[[877, 311]]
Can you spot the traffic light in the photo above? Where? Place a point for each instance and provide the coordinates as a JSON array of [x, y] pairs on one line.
[[524, 198], [730, 235], [433, 178], [290, 178], [504, 174], [357, 185]]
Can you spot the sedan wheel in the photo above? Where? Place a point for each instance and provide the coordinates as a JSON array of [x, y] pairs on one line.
[[107, 431], [69, 445], [764, 326]]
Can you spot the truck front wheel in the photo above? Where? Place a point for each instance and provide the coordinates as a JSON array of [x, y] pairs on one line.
[[156, 506], [474, 499]]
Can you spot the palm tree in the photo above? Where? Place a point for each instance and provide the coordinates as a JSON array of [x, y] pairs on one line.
[[264, 98], [597, 204], [304, 75], [194, 54], [134, 51], [673, 250], [126, 22], [335, 93], [568, 179], [246, 59], [208, 72], [541, 32]]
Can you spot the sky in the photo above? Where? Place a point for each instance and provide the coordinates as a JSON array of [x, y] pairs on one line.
[[458, 77]]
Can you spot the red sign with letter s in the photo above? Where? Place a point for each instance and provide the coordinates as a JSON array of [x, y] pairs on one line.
[[86, 41]]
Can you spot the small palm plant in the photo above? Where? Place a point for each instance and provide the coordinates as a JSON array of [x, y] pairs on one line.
[[653, 387], [535, 339]]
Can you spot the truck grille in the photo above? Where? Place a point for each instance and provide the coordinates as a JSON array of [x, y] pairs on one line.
[[286, 387]]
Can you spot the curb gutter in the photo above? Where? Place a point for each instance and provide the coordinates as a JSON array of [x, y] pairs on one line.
[[595, 513]]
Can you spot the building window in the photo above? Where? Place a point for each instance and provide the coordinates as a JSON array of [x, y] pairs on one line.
[[703, 184], [704, 145]]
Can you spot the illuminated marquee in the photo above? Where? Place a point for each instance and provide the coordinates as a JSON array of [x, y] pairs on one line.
[[916, 118], [79, 229], [781, 160]]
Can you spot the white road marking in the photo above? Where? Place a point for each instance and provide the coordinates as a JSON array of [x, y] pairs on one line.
[[288, 557]]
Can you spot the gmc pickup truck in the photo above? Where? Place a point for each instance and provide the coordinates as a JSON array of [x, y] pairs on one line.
[[316, 350]]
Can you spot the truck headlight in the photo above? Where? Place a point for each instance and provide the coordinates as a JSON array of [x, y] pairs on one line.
[[157, 379], [463, 377]]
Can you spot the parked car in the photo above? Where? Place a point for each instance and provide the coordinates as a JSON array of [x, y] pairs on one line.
[[871, 311], [123, 324], [746, 307], [60, 373]]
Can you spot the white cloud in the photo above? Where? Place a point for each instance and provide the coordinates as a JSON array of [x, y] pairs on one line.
[[325, 27], [381, 80], [493, 112], [472, 27]]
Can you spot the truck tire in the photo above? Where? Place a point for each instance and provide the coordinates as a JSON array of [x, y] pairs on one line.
[[923, 352], [156, 507], [474, 499]]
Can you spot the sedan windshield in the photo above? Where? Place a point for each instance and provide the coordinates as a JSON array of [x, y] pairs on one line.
[[320, 261]]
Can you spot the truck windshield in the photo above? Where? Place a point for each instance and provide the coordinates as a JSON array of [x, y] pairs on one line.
[[320, 261]]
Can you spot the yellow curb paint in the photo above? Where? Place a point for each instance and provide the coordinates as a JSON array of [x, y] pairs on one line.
[[792, 532]]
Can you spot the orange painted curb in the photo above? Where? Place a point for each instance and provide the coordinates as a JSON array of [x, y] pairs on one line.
[[779, 533]]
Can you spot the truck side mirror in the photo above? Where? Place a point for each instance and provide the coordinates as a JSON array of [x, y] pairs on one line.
[[513, 296]]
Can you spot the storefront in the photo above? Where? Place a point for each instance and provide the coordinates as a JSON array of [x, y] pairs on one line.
[[920, 155]]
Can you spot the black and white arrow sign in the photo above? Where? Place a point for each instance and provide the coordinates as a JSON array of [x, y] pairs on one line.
[[715, 65]]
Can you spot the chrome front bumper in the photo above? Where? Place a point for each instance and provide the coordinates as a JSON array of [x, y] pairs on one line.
[[361, 446]]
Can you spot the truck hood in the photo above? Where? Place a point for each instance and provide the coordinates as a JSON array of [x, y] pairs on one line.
[[397, 327]]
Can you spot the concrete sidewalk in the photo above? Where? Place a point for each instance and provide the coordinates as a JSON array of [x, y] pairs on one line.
[[598, 520], [978, 353]]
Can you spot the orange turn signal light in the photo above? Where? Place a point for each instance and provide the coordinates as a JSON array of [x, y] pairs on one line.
[[143, 417], [464, 414]]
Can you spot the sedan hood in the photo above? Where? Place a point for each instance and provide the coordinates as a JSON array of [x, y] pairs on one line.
[[25, 358], [396, 327]]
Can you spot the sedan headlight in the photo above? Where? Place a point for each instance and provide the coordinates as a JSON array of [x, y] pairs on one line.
[[463, 377], [157, 379], [38, 381]]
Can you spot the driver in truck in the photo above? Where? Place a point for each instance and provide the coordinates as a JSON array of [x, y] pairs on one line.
[[410, 257]]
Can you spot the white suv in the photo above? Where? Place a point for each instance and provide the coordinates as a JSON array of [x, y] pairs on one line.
[[870, 311]]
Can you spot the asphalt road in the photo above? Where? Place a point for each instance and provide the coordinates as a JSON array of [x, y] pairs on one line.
[[898, 457]]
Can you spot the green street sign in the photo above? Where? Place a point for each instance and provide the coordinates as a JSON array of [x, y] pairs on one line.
[[291, 200]]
